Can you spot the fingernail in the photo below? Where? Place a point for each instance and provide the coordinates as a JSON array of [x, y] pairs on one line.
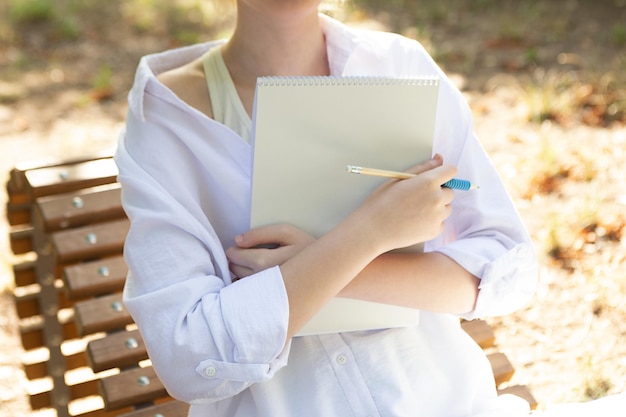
[[437, 157], [238, 238]]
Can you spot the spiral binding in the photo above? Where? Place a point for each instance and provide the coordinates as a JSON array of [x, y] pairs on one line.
[[314, 81]]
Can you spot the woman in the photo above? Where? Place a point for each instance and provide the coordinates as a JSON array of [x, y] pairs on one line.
[[219, 313]]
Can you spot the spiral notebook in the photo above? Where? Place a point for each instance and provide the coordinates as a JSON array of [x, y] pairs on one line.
[[306, 130]]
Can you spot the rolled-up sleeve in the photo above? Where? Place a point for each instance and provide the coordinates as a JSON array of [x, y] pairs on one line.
[[507, 277], [485, 233], [208, 347]]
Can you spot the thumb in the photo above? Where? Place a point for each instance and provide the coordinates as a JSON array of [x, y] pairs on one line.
[[432, 163]]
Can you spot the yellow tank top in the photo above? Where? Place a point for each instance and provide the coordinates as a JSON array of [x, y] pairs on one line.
[[227, 106]]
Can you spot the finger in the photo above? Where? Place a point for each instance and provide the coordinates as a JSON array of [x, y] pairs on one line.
[[448, 195], [243, 258], [442, 173], [432, 163], [240, 271], [261, 236], [447, 211], [235, 255], [256, 259]]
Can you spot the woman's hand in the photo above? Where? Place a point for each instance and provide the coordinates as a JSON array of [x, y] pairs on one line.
[[401, 213], [264, 247]]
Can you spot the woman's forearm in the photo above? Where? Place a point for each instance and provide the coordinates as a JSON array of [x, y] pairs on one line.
[[310, 283], [428, 281], [397, 214]]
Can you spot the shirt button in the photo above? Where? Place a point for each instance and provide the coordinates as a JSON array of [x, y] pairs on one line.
[[522, 252], [210, 372], [341, 359]]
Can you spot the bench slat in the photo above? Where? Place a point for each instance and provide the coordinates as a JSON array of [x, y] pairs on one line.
[[17, 174], [521, 391], [87, 206], [95, 278], [20, 199], [132, 387], [168, 409], [502, 368], [90, 242], [88, 388], [32, 332], [102, 314], [117, 350], [21, 239], [17, 213], [24, 273], [38, 370], [27, 300], [480, 331], [71, 177]]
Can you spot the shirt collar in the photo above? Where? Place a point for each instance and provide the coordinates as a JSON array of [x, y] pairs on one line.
[[348, 49], [152, 65]]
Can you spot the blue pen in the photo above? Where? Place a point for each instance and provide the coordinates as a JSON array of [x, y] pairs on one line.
[[455, 183]]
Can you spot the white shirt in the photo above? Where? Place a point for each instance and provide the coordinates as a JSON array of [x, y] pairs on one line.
[[221, 346]]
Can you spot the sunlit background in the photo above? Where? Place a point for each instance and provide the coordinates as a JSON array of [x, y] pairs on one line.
[[546, 81]]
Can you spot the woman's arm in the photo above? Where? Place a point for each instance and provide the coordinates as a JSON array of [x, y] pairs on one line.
[[426, 281], [398, 214]]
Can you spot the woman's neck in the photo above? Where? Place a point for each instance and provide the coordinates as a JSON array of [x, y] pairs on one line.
[[275, 43]]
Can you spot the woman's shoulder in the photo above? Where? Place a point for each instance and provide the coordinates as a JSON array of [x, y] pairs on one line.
[[188, 82]]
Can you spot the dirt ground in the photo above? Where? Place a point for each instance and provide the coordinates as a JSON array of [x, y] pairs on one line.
[[546, 82]]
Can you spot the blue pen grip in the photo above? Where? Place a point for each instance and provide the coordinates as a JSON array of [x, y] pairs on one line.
[[457, 184]]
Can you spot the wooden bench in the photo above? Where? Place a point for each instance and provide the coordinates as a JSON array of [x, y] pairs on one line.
[[69, 297], [68, 214]]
